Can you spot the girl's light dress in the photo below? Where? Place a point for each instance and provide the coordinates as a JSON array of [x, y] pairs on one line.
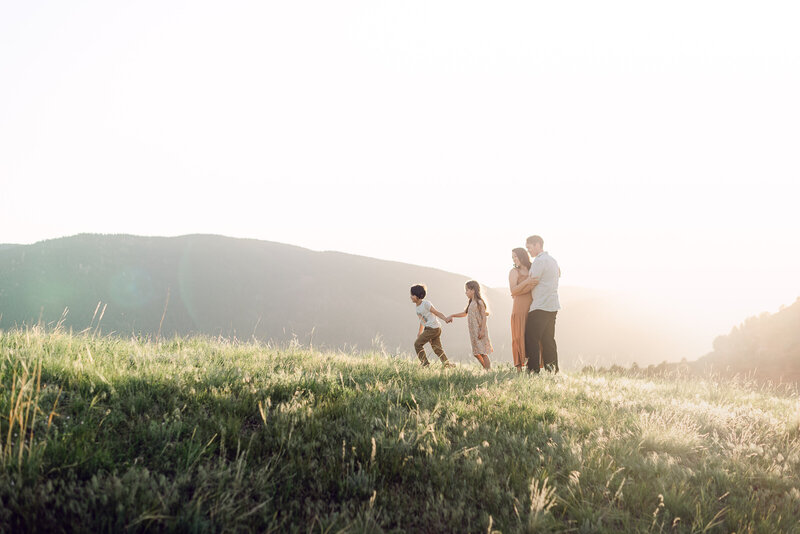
[[474, 313]]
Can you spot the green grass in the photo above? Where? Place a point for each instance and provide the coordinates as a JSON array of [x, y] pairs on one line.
[[200, 435]]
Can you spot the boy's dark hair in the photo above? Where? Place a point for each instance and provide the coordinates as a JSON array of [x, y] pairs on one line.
[[418, 291], [535, 239]]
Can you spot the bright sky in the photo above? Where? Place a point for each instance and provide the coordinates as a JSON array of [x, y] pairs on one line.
[[653, 145]]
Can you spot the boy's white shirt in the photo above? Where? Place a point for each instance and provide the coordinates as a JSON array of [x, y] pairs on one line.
[[426, 317]]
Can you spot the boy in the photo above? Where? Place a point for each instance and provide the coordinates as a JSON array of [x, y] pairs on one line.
[[430, 330]]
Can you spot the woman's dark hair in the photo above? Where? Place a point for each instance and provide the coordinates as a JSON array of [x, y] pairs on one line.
[[476, 287], [418, 291], [522, 256]]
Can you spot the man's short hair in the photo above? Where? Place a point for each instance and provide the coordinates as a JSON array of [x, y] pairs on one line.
[[535, 240], [418, 291]]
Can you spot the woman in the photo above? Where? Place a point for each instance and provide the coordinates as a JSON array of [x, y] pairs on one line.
[[522, 304]]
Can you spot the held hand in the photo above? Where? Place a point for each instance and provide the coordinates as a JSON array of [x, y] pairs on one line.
[[448, 319]]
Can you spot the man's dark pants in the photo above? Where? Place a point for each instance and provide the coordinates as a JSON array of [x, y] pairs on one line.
[[541, 327]]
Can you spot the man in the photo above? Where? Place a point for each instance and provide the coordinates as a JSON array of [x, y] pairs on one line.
[[541, 323]]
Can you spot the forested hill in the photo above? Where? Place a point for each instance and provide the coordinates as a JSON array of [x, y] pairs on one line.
[[219, 285], [767, 345]]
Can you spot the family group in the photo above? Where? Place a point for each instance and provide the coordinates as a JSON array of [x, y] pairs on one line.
[[534, 288]]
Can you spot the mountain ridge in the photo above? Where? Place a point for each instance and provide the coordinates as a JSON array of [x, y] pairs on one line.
[[216, 285]]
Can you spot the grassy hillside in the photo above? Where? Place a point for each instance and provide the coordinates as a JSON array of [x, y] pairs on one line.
[[102, 434]]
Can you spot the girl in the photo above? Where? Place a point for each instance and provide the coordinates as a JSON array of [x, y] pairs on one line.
[[476, 319]]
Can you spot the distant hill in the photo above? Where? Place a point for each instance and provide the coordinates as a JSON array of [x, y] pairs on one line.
[[231, 287], [247, 288], [766, 346]]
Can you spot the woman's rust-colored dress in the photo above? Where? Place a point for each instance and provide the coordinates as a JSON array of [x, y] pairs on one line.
[[519, 315]]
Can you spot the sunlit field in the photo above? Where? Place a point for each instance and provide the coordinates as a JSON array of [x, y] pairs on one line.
[[102, 434]]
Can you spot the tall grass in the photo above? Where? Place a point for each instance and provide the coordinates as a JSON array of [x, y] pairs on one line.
[[200, 435], [21, 449]]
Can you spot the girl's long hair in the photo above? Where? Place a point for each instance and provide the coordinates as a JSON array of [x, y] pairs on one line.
[[476, 287], [522, 256]]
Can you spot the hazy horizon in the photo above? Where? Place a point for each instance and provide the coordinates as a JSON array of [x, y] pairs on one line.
[[646, 333]]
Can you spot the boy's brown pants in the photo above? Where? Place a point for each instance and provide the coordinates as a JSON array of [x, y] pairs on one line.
[[432, 336]]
